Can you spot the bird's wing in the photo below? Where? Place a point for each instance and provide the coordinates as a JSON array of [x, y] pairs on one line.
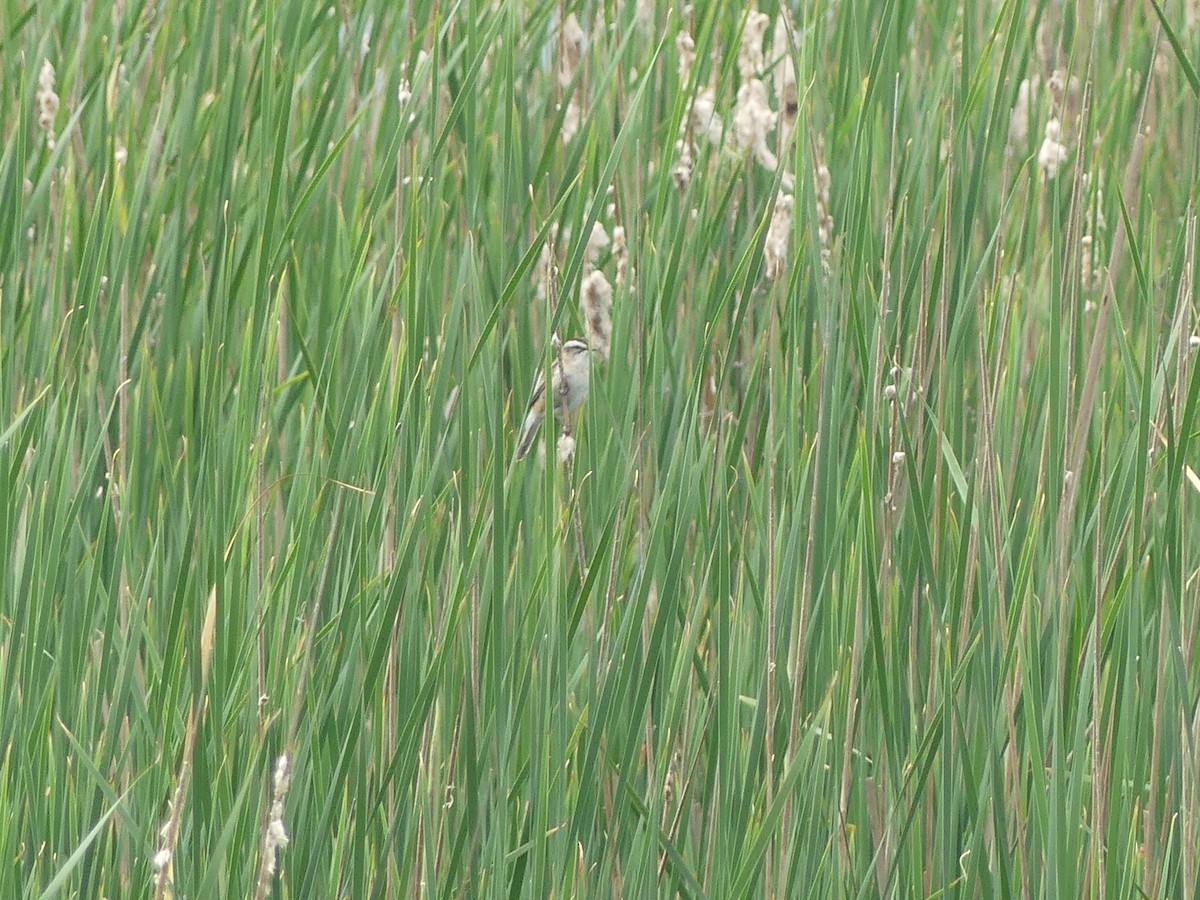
[[539, 388]]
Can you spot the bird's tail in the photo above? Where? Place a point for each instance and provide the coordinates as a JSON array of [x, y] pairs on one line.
[[528, 432]]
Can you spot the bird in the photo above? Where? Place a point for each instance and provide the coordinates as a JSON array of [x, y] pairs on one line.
[[569, 376]]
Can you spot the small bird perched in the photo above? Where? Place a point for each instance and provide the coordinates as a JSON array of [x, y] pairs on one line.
[[569, 376]]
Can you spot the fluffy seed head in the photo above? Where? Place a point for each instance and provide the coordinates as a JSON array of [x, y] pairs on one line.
[[566, 448], [781, 52], [704, 117], [750, 56], [753, 120], [1018, 119], [1052, 154], [686, 48], [571, 43], [546, 270], [572, 40], [682, 173], [621, 254], [47, 102], [597, 241], [775, 248], [786, 93], [595, 297], [275, 837], [822, 182]]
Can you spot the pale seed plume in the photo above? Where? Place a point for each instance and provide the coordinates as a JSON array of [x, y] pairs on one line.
[[274, 837], [595, 299], [685, 46], [597, 241], [1087, 272], [705, 119], [822, 182], [47, 102], [682, 173], [750, 56], [566, 448], [1018, 119], [572, 41], [1052, 154], [620, 251], [546, 269], [753, 120], [775, 248], [784, 74]]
